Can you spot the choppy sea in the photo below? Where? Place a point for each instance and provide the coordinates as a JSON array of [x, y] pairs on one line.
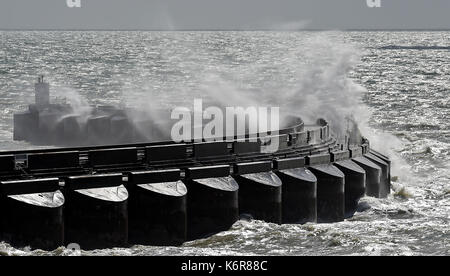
[[395, 84]]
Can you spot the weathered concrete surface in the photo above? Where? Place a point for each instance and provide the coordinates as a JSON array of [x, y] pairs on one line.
[[299, 195]]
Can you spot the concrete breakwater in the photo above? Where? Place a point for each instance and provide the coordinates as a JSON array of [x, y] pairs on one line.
[[167, 193]]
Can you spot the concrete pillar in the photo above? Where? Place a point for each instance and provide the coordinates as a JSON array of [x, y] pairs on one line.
[[32, 213], [157, 208], [373, 172], [355, 184], [212, 200], [385, 186], [355, 179], [330, 188], [259, 191], [96, 211], [299, 191], [384, 158]]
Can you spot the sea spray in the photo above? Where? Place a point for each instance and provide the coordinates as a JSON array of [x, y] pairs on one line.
[[79, 104], [321, 88], [324, 88]]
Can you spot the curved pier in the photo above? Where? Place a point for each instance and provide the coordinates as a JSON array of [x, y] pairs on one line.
[[165, 193]]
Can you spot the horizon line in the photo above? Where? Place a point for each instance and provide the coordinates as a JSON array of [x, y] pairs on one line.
[[225, 30]]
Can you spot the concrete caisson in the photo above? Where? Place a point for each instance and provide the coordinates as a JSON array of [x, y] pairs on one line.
[[96, 211], [32, 213], [355, 179], [373, 172], [259, 191], [212, 200], [299, 190], [157, 208], [384, 158], [385, 186], [330, 188]]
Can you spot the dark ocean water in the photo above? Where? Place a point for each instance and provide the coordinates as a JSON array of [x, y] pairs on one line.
[[396, 85]]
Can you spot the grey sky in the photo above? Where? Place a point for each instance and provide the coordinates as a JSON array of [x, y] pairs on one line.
[[224, 14]]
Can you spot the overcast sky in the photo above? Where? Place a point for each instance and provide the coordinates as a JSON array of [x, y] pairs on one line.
[[224, 14]]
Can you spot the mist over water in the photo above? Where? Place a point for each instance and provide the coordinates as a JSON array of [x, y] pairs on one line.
[[399, 96]]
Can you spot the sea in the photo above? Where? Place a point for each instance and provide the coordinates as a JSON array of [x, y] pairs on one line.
[[395, 84]]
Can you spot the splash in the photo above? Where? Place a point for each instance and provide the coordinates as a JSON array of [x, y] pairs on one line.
[[322, 86], [79, 104]]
